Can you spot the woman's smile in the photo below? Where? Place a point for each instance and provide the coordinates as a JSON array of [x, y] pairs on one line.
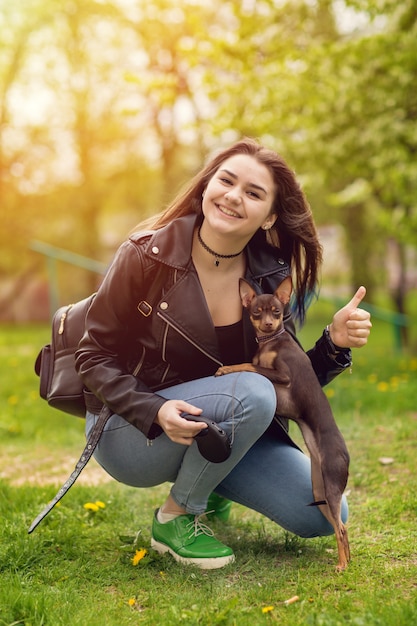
[[227, 211]]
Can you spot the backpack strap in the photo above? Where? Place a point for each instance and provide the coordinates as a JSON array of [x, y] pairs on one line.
[[105, 413]]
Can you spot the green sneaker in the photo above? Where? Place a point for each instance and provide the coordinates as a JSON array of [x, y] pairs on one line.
[[219, 507], [190, 542]]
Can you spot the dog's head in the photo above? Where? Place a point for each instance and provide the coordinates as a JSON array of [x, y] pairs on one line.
[[266, 311]]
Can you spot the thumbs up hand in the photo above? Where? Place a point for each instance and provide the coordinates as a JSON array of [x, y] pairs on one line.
[[351, 326]]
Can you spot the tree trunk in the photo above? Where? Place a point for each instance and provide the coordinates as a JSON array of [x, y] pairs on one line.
[[398, 285], [361, 252]]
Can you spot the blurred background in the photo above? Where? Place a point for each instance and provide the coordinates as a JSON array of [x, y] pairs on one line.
[[108, 107]]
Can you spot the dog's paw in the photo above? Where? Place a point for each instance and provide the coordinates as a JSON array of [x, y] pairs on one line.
[[225, 369], [234, 369]]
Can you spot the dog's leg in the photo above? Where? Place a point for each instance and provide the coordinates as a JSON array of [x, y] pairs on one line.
[[332, 512], [329, 482], [275, 376], [229, 369], [335, 476]]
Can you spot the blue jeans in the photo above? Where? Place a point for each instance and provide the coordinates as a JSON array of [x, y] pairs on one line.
[[264, 472]]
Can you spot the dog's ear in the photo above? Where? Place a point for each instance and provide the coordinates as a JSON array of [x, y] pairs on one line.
[[284, 290], [247, 293]]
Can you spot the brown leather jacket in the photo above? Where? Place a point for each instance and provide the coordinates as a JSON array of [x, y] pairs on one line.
[[132, 346]]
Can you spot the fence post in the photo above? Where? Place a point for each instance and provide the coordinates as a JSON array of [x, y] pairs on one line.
[[53, 288]]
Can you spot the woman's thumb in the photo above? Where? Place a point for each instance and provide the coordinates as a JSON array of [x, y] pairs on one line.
[[357, 298]]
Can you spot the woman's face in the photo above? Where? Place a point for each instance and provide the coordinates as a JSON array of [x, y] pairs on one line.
[[239, 197]]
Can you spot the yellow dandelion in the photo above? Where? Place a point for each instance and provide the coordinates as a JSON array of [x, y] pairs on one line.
[[395, 382], [91, 506], [100, 504], [13, 400], [267, 609], [382, 386], [329, 393], [14, 429], [413, 364], [139, 554], [131, 602]]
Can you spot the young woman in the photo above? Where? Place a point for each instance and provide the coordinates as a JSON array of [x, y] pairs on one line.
[[151, 360]]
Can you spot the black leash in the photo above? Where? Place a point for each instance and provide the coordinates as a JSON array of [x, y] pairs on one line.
[[86, 455]]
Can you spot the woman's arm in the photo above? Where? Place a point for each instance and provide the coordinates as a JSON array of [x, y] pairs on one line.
[[105, 350], [350, 328]]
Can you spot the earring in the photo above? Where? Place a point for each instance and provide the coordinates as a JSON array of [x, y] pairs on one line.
[[266, 227]]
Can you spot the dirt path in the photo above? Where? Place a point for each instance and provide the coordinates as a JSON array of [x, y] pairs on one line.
[[39, 466]]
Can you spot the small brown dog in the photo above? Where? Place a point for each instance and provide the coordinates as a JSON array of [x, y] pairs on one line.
[[300, 398]]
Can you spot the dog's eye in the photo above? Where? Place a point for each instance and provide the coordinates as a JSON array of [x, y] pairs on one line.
[[256, 314]]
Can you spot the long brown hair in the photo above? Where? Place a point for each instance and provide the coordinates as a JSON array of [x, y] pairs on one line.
[[293, 232]]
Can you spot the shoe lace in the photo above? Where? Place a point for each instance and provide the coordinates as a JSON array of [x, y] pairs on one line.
[[196, 527]]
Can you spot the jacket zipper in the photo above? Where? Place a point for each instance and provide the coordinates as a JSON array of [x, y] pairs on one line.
[[193, 343], [140, 363]]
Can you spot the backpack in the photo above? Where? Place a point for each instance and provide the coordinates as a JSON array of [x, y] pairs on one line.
[[59, 382]]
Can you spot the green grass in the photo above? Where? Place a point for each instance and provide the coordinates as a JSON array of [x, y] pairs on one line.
[[76, 568]]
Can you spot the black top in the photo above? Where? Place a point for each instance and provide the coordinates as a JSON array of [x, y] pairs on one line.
[[230, 340]]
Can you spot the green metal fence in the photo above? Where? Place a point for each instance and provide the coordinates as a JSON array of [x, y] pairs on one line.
[[53, 255]]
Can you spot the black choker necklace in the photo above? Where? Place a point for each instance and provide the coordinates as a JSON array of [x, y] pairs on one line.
[[217, 256]]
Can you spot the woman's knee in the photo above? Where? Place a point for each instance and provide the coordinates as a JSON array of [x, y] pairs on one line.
[[257, 393], [320, 526]]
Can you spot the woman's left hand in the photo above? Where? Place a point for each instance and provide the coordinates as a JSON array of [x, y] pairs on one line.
[[351, 326]]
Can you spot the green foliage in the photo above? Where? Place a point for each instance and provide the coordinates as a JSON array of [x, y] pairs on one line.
[[135, 96], [77, 567]]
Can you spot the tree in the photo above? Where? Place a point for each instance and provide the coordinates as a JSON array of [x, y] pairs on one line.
[[341, 105], [368, 128], [135, 95], [17, 24]]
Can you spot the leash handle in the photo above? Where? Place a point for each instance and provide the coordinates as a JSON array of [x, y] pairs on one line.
[[86, 455]]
